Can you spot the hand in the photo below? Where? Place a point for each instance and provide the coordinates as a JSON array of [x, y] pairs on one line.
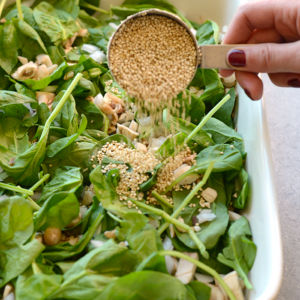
[[265, 22]]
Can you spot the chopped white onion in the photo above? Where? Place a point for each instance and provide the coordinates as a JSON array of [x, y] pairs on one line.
[[156, 142], [113, 25], [97, 244], [204, 278], [83, 210], [98, 56], [167, 244], [3, 197], [89, 48], [205, 217], [10, 296]]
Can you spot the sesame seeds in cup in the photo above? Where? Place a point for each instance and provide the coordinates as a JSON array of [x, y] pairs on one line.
[[153, 57]]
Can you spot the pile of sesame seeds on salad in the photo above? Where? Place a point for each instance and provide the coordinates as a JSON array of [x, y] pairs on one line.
[[104, 198]]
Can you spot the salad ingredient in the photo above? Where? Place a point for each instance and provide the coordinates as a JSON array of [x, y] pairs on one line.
[[142, 48], [123, 211], [52, 236]]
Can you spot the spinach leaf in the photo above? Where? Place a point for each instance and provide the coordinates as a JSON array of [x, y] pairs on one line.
[[224, 113], [13, 136], [4, 81], [84, 88], [226, 158], [240, 251], [61, 147], [201, 290], [66, 179], [95, 135], [65, 250], [130, 7], [208, 33], [198, 80], [15, 261], [56, 23], [110, 259], [214, 89], [27, 15], [37, 286], [179, 125], [210, 231], [242, 193], [40, 84], [16, 222], [111, 88], [220, 132], [56, 54], [145, 285], [87, 21], [24, 90], [14, 105], [58, 211], [105, 189]]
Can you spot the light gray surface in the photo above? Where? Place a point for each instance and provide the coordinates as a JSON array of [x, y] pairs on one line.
[[283, 109]]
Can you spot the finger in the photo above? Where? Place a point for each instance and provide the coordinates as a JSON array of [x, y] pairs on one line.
[[259, 36], [251, 83], [266, 58], [286, 79], [269, 35], [263, 15]]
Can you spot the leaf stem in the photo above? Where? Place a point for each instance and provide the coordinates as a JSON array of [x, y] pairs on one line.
[[43, 179], [202, 266], [161, 200], [19, 7], [92, 7], [206, 118], [176, 223], [15, 189], [2, 4], [61, 104], [33, 204], [114, 217], [189, 197]]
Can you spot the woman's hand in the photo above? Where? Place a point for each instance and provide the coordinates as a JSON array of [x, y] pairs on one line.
[[265, 22]]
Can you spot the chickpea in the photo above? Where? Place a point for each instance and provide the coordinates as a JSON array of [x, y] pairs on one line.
[[52, 236]]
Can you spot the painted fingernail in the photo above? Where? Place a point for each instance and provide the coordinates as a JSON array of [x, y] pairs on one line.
[[237, 58], [294, 83], [248, 93]]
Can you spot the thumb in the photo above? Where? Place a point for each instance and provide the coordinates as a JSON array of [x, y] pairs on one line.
[[266, 58]]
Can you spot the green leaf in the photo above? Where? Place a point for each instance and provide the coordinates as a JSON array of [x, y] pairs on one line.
[[16, 222], [86, 21], [61, 147], [145, 285], [58, 211], [214, 89], [242, 192], [179, 125], [110, 259], [220, 132], [208, 33], [240, 251], [147, 185], [225, 112], [201, 290], [56, 23], [40, 84], [14, 105], [36, 287], [66, 179], [15, 261]]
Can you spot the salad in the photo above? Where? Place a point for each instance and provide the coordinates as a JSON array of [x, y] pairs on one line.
[[96, 200]]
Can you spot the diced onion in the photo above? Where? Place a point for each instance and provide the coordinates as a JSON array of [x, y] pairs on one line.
[[98, 56], [89, 48], [205, 217]]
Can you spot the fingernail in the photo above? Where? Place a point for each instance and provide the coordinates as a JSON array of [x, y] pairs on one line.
[[294, 83], [248, 93], [237, 58]]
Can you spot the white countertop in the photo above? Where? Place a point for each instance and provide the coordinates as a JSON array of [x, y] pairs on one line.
[[283, 109]]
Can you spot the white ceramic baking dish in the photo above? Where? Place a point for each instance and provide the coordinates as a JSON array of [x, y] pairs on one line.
[[251, 121]]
